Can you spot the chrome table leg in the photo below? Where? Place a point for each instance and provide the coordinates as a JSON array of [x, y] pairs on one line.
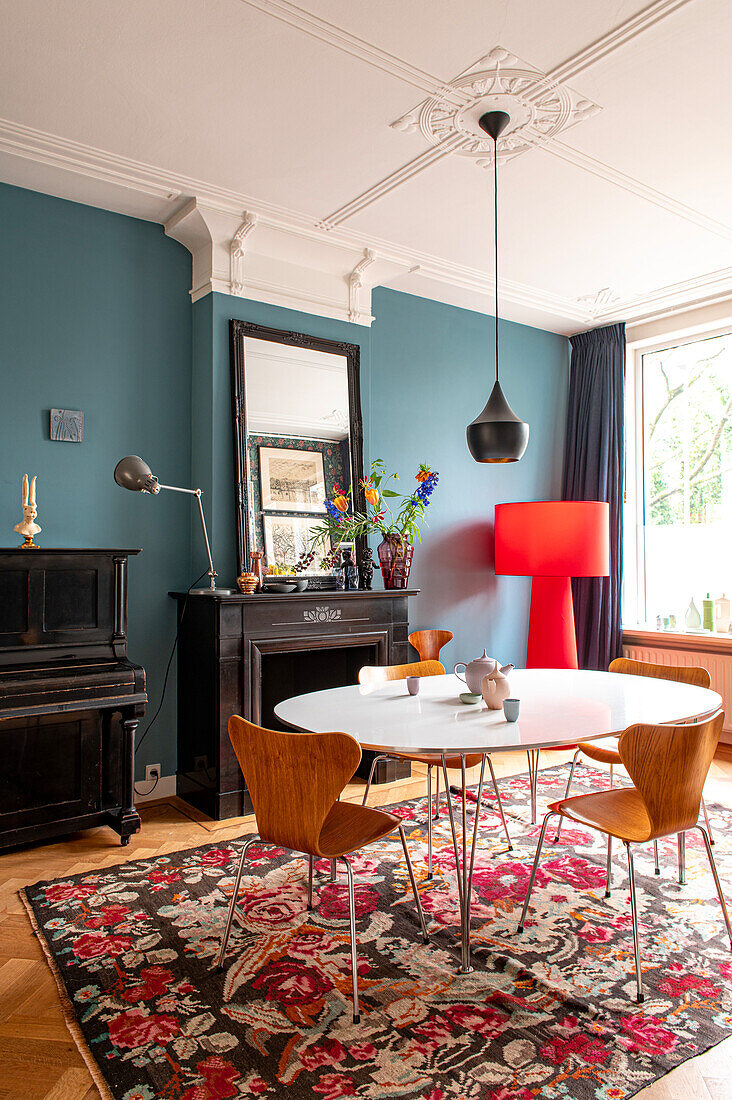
[[717, 883], [498, 800], [413, 881], [372, 769], [573, 765], [463, 868], [706, 821], [429, 819], [533, 758]]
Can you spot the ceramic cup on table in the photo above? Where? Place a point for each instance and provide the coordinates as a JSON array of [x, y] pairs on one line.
[[511, 709], [413, 685]]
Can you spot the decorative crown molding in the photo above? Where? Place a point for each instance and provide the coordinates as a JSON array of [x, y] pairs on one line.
[[355, 283], [237, 252]]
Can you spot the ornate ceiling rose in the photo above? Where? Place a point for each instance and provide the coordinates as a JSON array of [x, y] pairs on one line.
[[539, 109]]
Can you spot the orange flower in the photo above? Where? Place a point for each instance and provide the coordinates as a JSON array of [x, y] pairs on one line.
[[371, 496], [341, 503], [422, 474]]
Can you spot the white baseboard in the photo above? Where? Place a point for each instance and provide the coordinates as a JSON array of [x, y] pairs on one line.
[[164, 788]]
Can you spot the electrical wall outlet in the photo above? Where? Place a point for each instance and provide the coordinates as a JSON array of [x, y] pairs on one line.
[[152, 772]]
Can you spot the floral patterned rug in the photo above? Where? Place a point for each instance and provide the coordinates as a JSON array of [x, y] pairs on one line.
[[549, 1013]]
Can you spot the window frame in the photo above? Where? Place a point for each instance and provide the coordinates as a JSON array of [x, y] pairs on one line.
[[633, 596]]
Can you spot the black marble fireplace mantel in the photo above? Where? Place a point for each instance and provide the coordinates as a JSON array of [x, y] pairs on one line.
[[243, 654]]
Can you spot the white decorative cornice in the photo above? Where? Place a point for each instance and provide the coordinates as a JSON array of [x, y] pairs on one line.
[[599, 302], [237, 253], [355, 283]]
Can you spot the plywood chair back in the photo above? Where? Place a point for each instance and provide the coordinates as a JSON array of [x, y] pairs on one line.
[[668, 766], [682, 674], [428, 643], [294, 779], [378, 674]]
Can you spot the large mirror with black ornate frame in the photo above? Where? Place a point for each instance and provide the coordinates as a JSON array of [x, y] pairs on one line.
[[298, 441]]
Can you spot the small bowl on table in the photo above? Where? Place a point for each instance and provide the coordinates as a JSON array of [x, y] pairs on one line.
[[280, 585]]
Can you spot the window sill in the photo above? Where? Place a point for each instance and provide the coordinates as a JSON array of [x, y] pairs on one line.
[[701, 642]]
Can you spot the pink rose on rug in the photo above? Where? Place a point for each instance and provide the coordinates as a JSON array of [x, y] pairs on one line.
[[155, 981], [110, 914], [217, 857], [334, 1085], [674, 986], [311, 945], [68, 891], [577, 872], [725, 969], [291, 983], [508, 881], [135, 1029], [333, 903], [268, 909], [586, 1047], [327, 1053], [481, 1019], [645, 1033], [504, 1093], [595, 933], [160, 879], [92, 945], [363, 1052], [219, 1077]]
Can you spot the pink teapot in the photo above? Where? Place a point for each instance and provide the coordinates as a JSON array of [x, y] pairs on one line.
[[495, 687], [477, 670]]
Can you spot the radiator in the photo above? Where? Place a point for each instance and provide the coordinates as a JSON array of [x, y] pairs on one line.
[[718, 665]]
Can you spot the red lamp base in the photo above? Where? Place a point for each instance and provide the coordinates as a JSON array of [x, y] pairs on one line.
[[552, 637]]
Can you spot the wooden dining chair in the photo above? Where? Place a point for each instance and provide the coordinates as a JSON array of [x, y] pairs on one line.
[[606, 750], [294, 780], [428, 643], [374, 674], [668, 765]]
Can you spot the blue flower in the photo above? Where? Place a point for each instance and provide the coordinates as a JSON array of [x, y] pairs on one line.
[[427, 488]]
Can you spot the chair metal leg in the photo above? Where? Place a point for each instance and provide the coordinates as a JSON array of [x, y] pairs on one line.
[[717, 883], [611, 777], [706, 821], [310, 883], [573, 765], [413, 881], [354, 960], [332, 870], [657, 867], [232, 904], [534, 869], [609, 866], [429, 819], [372, 769], [500, 804], [681, 838], [437, 794], [634, 914]]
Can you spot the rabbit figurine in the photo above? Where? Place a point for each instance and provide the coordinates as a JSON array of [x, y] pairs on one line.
[[495, 687]]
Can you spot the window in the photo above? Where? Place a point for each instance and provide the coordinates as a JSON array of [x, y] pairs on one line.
[[678, 482]]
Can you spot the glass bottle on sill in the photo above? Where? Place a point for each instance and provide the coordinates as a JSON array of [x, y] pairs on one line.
[[692, 617]]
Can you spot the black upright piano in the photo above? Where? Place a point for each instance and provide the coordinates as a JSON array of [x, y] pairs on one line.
[[70, 700]]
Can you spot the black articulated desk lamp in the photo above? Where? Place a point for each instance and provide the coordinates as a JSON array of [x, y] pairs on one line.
[[135, 474]]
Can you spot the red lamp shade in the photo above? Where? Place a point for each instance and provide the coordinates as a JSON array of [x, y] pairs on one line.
[[552, 541]]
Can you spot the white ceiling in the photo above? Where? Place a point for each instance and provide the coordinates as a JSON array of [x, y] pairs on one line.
[[287, 110]]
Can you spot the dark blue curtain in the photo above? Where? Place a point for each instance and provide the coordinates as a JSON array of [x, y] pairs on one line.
[[593, 470]]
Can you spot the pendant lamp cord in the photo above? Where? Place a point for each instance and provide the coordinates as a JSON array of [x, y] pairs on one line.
[[495, 233]]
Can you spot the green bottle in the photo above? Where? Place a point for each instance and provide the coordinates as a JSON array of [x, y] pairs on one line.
[[708, 613]]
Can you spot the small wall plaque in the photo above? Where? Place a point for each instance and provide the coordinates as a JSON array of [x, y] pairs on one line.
[[67, 425]]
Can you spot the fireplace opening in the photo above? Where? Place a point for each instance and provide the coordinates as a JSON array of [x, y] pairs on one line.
[[285, 671]]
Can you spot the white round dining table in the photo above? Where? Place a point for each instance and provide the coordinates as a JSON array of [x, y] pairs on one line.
[[558, 708]]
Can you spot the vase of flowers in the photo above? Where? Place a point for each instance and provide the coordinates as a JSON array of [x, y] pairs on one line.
[[396, 516]]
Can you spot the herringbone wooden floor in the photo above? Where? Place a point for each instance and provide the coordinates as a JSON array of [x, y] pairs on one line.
[[39, 1059]]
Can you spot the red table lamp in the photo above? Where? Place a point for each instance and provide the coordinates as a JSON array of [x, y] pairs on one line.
[[553, 541]]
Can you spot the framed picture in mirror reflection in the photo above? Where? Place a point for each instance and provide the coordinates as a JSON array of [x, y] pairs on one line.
[[286, 538], [292, 480]]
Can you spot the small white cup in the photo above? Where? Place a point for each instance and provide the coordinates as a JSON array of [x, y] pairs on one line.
[[413, 685], [511, 709]]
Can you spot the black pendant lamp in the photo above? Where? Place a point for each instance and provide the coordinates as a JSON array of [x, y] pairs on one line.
[[497, 435]]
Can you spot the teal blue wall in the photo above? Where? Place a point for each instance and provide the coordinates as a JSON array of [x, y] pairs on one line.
[[431, 374], [426, 372], [95, 315]]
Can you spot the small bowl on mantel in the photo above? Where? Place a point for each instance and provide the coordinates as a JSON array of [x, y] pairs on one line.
[[280, 585]]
